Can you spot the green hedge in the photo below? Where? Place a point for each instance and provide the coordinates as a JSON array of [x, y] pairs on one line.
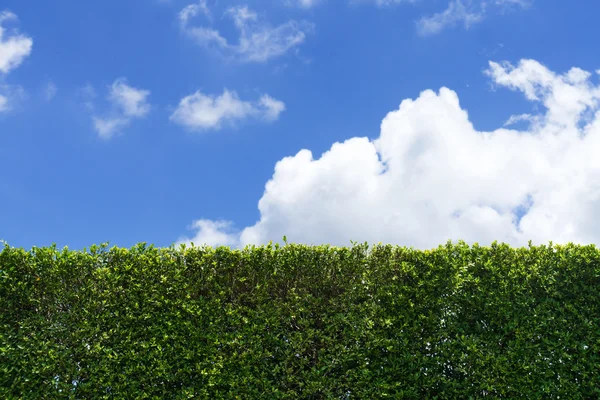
[[299, 322]]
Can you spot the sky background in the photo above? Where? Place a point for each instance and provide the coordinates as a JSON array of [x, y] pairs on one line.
[[234, 123]]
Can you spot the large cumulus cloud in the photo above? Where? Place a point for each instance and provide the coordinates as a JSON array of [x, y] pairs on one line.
[[431, 176]]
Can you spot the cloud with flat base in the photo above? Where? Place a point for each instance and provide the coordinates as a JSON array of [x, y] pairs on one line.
[[431, 176]]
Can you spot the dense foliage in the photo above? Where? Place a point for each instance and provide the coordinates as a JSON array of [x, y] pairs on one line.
[[299, 322]]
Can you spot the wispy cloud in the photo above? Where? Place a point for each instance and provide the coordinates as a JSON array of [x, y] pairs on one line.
[[379, 3], [302, 3], [455, 13], [200, 112], [388, 2], [87, 94], [192, 10], [466, 13], [49, 91], [127, 103], [3, 103], [257, 42]]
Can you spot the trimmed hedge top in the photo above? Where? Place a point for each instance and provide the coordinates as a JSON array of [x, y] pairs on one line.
[[300, 322]]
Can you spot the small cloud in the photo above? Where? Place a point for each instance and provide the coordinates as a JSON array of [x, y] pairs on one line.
[[455, 13], [382, 3], [465, 12], [211, 233], [130, 100], [391, 2], [307, 3], [3, 103], [199, 111], [192, 11], [379, 3], [11, 95], [302, 3], [568, 97], [14, 48], [508, 3], [490, 53], [88, 91], [127, 103], [87, 94], [518, 118], [49, 91], [108, 126], [271, 107], [514, 119], [257, 42]]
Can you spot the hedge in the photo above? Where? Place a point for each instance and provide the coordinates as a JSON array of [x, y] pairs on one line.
[[300, 322]]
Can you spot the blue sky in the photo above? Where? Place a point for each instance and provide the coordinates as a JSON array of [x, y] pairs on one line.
[[166, 121]]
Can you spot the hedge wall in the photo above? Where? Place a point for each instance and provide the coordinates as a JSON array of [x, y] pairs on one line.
[[299, 322]]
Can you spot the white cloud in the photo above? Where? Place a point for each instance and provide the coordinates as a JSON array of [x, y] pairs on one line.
[[431, 176], [522, 3], [566, 97], [127, 104], [11, 96], [87, 95], [108, 126], [303, 3], [307, 3], [518, 118], [270, 107], [311, 3], [130, 100], [391, 2], [452, 13], [214, 233], [193, 10], [3, 103], [199, 111], [455, 13], [14, 48], [380, 3], [257, 42], [49, 91], [465, 12]]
